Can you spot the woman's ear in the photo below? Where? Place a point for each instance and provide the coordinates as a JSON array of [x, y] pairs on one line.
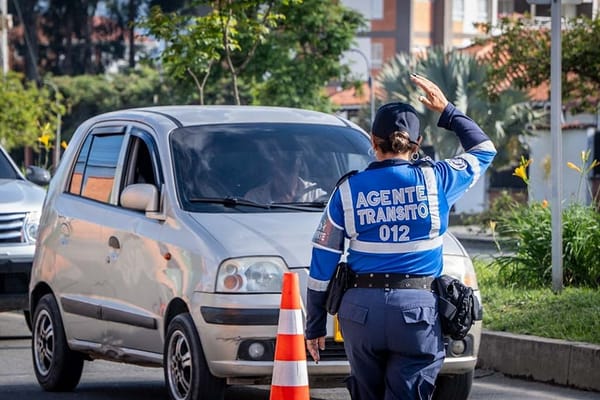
[[375, 148], [373, 144]]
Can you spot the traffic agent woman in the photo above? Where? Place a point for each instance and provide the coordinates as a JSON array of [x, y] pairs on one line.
[[394, 214]]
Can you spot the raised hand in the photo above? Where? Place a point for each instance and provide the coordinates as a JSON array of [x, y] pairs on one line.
[[434, 98]]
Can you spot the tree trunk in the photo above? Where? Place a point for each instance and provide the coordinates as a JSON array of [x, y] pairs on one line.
[[26, 13], [131, 27]]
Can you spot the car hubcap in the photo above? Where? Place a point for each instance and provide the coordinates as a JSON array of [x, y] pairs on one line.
[[179, 365], [43, 342]]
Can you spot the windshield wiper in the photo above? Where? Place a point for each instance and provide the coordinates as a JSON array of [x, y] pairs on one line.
[[229, 202], [236, 201], [311, 204]]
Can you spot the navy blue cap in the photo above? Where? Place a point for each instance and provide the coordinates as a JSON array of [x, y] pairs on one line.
[[392, 117]]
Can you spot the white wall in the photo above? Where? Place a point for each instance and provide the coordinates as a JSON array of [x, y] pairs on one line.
[[474, 201], [542, 168]]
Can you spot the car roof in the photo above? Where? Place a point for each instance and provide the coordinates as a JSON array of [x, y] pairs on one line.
[[190, 115]]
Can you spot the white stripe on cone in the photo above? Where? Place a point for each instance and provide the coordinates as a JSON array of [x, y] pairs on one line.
[[290, 373], [290, 322]]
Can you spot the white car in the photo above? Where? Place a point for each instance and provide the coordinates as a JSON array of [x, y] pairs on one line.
[[150, 253], [21, 200]]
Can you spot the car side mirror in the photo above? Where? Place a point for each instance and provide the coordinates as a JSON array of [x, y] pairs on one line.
[[39, 176], [140, 196]]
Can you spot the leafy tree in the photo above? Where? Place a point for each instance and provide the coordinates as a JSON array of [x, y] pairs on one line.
[[521, 54], [461, 77], [25, 111], [192, 44], [268, 52], [295, 63], [88, 95]]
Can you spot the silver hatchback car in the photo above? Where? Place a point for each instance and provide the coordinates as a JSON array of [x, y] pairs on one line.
[[163, 244]]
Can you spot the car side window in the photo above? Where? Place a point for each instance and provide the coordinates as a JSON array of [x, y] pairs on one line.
[[94, 173], [140, 167]]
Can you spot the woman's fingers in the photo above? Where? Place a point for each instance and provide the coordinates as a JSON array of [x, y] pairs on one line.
[[434, 98], [313, 345]]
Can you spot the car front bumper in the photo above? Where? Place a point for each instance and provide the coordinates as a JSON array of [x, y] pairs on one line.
[[226, 326], [15, 273]]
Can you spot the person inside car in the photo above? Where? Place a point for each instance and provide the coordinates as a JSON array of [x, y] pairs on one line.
[[284, 184]]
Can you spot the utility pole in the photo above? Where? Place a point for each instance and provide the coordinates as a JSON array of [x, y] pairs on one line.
[[369, 82], [4, 36]]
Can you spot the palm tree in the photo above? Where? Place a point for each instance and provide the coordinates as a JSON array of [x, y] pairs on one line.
[[506, 119]]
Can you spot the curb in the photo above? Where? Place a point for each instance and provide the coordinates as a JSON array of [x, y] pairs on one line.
[[561, 362]]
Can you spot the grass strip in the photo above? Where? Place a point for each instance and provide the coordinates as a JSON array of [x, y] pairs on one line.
[[573, 314]]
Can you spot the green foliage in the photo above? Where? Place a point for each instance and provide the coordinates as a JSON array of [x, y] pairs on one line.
[[89, 95], [461, 77], [521, 55], [278, 52], [573, 314], [24, 110], [293, 66], [526, 230], [192, 44]]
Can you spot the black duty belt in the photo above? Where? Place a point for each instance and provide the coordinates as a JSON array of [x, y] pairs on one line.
[[390, 281]]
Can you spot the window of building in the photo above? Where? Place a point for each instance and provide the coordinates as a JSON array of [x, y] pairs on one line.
[[458, 10], [505, 7], [376, 55], [376, 9], [482, 11]]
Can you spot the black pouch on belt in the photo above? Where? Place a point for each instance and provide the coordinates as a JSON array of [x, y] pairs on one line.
[[457, 306], [337, 287]]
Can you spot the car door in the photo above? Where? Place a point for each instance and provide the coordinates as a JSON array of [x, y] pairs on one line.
[[137, 265], [80, 262]]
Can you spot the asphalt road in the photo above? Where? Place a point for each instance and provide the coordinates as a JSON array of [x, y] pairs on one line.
[[103, 380]]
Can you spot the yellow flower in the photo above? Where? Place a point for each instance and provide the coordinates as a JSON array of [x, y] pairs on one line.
[[492, 226], [585, 155], [521, 173], [63, 144], [573, 166], [544, 203], [45, 140]]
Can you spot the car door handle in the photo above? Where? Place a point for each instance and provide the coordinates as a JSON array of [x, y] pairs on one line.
[[114, 243]]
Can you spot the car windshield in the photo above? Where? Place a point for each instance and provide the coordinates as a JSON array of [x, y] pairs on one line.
[[263, 167], [6, 169]]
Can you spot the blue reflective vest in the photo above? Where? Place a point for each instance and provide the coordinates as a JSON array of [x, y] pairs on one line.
[[394, 214]]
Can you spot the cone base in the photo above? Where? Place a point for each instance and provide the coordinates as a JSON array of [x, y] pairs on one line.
[[289, 393]]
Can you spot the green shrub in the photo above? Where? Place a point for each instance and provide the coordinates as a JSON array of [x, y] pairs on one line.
[[524, 234]]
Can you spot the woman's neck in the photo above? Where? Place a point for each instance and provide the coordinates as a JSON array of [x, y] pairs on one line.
[[390, 156]]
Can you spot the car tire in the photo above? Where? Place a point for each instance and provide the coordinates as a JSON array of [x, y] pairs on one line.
[[453, 387], [57, 368], [186, 371]]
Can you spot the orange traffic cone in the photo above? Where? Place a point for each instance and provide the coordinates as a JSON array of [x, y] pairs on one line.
[[290, 374]]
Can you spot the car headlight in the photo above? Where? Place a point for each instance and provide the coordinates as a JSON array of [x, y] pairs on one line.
[[462, 269], [30, 226], [251, 275]]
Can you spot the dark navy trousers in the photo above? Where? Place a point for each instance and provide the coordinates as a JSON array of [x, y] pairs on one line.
[[393, 341]]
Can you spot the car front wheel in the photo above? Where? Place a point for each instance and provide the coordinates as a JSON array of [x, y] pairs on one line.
[[453, 387], [186, 371], [57, 368]]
